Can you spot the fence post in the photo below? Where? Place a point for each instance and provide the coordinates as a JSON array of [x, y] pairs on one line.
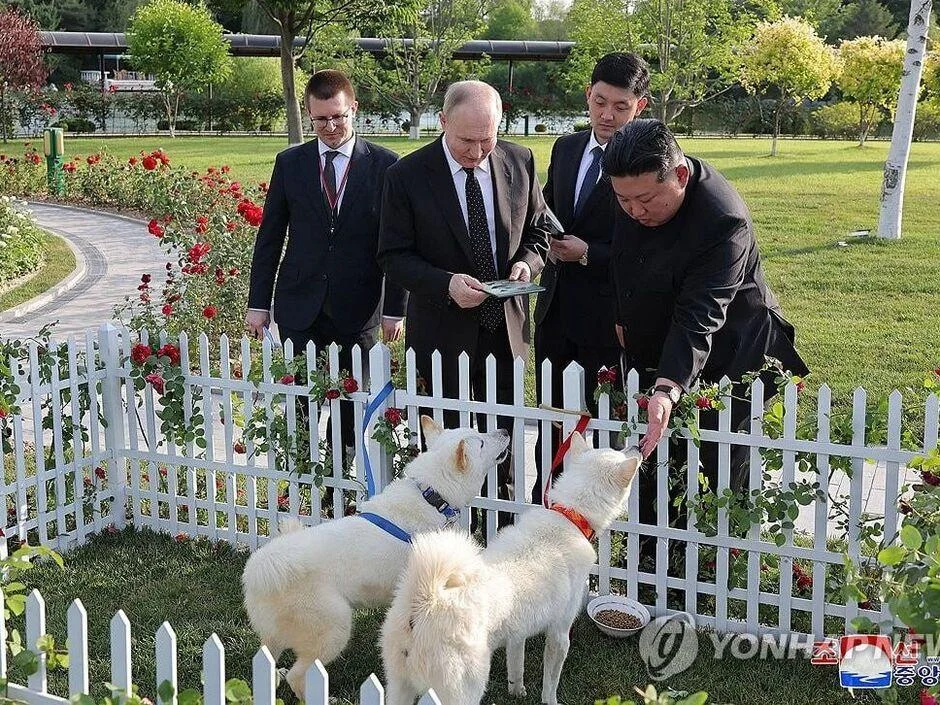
[[380, 373], [572, 386], [112, 408]]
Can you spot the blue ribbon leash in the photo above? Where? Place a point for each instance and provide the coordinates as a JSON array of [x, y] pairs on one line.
[[367, 415], [386, 526]]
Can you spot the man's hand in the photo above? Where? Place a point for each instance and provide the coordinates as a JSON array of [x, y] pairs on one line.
[[568, 249], [658, 412], [392, 328], [256, 322], [520, 272], [466, 291], [618, 329]]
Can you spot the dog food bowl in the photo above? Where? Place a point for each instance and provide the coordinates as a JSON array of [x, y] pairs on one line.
[[618, 616]]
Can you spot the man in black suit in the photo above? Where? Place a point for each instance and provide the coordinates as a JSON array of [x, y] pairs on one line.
[[692, 300], [327, 192], [574, 316], [464, 209]]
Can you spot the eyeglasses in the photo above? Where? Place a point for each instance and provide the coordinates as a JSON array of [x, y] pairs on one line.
[[335, 119]]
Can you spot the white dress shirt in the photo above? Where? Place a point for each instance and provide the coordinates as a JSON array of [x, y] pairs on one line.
[[586, 159], [482, 173], [340, 163]]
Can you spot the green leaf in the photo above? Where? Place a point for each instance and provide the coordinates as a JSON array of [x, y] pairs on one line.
[[166, 691], [911, 537], [892, 555], [190, 696], [82, 699], [237, 691]]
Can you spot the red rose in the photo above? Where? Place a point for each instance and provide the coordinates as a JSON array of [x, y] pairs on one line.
[[283, 502], [393, 415], [181, 538], [69, 167], [155, 228], [332, 394], [927, 699], [643, 401], [230, 225], [865, 604], [350, 385], [167, 310], [225, 168], [287, 379], [804, 582], [239, 447], [937, 372], [904, 507], [162, 471], [233, 272], [800, 385], [703, 403], [156, 381], [140, 353], [149, 163], [3, 413], [132, 161], [210, 312], [171, 351], [930, 478], [735, 552], [100, 473], [145, 278]]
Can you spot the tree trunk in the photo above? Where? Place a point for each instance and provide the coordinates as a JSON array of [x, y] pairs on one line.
[[295, 127], [892, 187], [777, 113], [415, 132], [170, 115], [3, 113]]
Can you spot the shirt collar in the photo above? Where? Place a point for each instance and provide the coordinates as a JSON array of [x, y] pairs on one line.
[[592, 143], [346, 148], [455, 165]]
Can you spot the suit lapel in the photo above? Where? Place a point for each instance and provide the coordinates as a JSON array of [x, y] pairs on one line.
[[445, 195], [309, 179], [501, 175], [358, 172], [569, 177]]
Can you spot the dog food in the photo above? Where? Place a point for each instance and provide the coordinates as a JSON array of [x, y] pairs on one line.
[[618, 619]]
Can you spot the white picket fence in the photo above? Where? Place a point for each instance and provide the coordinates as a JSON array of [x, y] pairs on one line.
[[263, 669], [119, 472]]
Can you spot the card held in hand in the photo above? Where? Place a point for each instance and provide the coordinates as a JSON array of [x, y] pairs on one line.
[[504, 288]]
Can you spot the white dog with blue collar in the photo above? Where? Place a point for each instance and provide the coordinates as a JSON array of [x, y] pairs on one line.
[[301, 587]]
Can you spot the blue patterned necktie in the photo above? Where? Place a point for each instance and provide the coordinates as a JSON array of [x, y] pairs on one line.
[[590, 179]]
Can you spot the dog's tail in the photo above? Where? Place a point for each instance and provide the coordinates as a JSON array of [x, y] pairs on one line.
[[438, 613]]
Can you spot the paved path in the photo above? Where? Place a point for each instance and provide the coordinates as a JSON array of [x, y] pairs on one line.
[[116, 250]]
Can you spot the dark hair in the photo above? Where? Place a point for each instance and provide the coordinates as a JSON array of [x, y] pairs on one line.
[[325, 84], [624, 70], [642, 146]]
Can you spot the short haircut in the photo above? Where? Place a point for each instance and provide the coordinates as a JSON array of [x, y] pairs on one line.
[[640, 147], [624, 70], [472, 92], [325, 84]]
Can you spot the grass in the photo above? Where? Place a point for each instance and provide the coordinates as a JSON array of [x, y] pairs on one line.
[[196, 586], [58, 263], [865, 314]]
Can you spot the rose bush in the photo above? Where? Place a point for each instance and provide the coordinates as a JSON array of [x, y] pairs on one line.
[[20, 241]]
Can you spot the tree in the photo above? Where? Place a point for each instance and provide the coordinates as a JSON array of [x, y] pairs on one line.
[[511, 19], [415, 65], [865, 18], [892, 189], [789, 58], [181, 45], [688, 43], [21, 62], [871, 75]]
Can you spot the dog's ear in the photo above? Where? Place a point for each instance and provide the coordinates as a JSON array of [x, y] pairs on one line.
[[431, 429], [578, 445], [626, 471]]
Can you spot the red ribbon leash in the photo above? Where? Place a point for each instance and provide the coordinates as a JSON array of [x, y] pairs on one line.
[[560, 455]]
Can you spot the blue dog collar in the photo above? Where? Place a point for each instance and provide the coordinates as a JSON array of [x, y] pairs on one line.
[[432, 497], [387, 526]]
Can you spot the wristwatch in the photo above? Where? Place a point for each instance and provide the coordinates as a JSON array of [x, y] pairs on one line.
[[583, 260], [674, 393]]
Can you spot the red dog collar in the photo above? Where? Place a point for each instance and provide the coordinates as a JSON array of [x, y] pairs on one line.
[[576, 518]]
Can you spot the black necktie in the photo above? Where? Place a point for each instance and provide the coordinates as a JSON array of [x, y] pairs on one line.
[[491, 310], [590, 179], [329, 181]]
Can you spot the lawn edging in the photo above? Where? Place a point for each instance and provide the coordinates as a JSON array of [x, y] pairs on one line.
[[55, 289]]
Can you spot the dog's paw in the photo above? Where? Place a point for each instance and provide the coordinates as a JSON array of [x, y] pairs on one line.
[[517, 689]]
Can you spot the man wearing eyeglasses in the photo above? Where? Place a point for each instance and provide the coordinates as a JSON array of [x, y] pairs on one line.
[[326, 193]]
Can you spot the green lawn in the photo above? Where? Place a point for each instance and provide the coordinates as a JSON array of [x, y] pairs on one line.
[[58, 263], [196, 586], [865, 314]]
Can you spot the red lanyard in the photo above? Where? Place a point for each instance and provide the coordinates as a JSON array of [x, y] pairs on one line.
[[333, 202], [560, 456]]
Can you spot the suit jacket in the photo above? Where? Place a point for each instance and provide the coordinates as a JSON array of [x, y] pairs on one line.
[[338, 272], [423, 241], [691, 293], [585, 296]]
